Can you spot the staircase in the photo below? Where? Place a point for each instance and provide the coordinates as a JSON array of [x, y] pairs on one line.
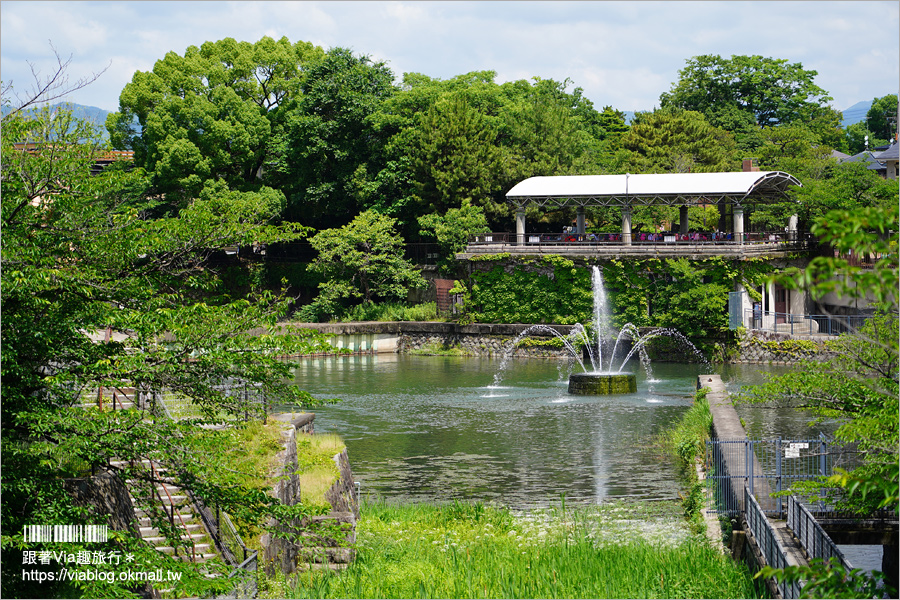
[[181, 514]]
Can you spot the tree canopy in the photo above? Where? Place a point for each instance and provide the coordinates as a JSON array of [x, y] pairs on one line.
[[772, 91], [85, 260]]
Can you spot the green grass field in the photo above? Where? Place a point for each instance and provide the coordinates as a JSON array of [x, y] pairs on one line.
[[467, 550]]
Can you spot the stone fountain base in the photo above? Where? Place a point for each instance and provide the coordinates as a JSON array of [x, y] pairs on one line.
[[602, 384]]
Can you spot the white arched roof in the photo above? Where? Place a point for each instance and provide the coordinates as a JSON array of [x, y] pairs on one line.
[[667, 188]]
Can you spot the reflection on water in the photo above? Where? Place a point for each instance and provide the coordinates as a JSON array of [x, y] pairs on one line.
[[764, 422], [434, 428]]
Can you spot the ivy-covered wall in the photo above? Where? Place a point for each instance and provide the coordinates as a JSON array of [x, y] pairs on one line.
[[688, 295]]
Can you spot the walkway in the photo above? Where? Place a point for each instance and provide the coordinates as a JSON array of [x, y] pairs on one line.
[[778, 532], [536, 245]]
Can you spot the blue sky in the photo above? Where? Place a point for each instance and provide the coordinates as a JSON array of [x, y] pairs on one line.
[[622, 54]]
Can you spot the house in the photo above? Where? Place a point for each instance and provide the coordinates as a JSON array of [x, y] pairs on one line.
[[867, 156], [890, 159]]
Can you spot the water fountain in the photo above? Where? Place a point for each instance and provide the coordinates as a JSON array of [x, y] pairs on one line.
[[602, 377]]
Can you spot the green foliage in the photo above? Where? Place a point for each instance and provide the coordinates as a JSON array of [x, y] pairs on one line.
[[678, 141], [208, 116], [523, 293], [772, 91], [453, 230], [881, 119], [391, 311], [822, 579], [453, 155], [859, 385], [362, 260], [687, 439], [81, 254], [463, 550], [844, 187], [688, 295], [325, 150]]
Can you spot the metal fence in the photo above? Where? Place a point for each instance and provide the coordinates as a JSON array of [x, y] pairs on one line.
[[769, 466], [791, 240], [767, 540], [782, 322], [814, 539]]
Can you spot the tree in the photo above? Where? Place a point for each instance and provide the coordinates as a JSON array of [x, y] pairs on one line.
[[208, 115], [772, 91], [859, 386], [881, 118], [454, 229], [454, 156], [362, 261], [678, 141], [326, 152], [845, 186], [81, 255]]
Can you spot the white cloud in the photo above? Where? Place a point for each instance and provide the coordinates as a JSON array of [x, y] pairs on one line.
[[621, 53]]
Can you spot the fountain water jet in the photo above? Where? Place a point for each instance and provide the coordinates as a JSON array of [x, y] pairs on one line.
[[597, 380]]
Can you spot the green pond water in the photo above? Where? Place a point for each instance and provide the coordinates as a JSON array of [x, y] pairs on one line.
[[441, 429]]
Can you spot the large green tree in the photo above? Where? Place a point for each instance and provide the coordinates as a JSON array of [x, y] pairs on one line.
[[772, 91], [82, 261], [678, 141], [208, 115], [326, 151]]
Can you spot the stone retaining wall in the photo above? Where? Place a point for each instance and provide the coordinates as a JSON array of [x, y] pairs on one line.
[[769, 347], [318, 544]]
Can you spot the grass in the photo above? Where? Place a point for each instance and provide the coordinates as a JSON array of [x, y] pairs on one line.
[[391, 311], [465, 550], [316, 467], [439, 349], [687, 440]]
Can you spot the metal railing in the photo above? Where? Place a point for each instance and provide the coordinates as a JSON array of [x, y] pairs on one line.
[[770, 466], [794, 324], [767, 541], [250, 402], [814, 539], [792, 239], [219, 527]]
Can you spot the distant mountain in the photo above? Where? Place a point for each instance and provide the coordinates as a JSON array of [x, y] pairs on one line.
[[856, 113], [91, 114]]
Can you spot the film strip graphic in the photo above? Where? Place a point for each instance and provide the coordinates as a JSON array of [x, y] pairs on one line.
[[66, 533]]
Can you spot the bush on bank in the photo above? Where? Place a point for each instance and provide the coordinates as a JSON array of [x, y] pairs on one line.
[[690, 296]]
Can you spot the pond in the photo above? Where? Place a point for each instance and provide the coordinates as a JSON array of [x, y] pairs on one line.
[[430, 428]]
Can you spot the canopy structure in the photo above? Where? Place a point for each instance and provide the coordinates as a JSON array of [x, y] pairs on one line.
[[671, 189], [642, 190]]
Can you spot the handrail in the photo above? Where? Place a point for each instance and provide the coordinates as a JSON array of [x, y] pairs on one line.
[[767, 541], [173, 512], [808, 531], [642, 238], [801, 324]]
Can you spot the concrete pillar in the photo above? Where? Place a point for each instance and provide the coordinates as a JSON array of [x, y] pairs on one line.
[[683, 219], [739, 223], [626, 225], [579, 225], [520, 226]]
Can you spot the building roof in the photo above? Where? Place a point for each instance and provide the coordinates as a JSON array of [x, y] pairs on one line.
[[890, 154], [866, 156], [668, 188]]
